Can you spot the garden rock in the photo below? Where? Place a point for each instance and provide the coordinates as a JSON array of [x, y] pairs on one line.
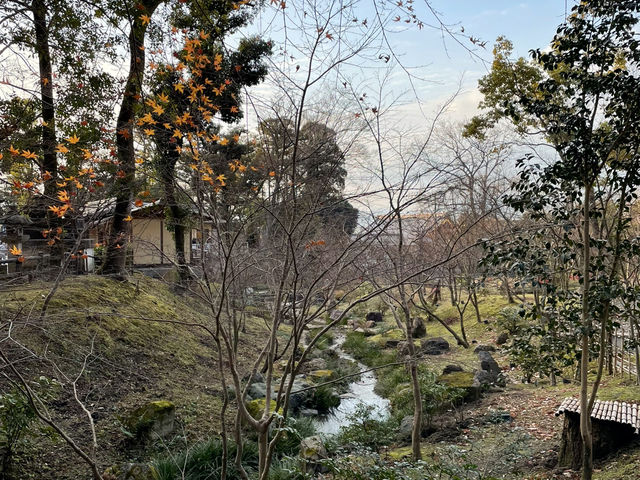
[[374, 317], [369, 324], [153, 420], [451, 368], [502, 338], [405, 429], [257, 390], [255, 378], [316, 364], [484, 348], [435, 346], [488, 364], [419, 329]]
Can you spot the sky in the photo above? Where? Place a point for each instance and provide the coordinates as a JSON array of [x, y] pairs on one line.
[[528, 24]]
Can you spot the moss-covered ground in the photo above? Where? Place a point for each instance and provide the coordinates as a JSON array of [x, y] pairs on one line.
[[147, 344]]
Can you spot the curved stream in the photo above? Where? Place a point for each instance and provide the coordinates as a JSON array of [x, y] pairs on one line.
[[360, 392]]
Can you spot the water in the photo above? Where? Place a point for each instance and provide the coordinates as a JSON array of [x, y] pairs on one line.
[[360, 392]]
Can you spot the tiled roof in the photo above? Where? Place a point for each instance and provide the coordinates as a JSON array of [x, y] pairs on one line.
[[620, 412]]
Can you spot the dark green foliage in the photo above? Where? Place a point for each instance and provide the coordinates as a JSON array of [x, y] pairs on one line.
[[357, 345], [436, 397], [293, 432], [203, 461], [325, 398]]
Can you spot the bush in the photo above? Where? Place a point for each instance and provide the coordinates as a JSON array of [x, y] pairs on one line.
[[436, 397], [365, 430], [510, 319]]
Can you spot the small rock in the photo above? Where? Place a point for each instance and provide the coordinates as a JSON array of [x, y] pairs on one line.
[[451, 368], [255, 378], [369, 324], [484, 348], [392, 343], [309, 412], [405, 429], [257, 390], [502, 338]]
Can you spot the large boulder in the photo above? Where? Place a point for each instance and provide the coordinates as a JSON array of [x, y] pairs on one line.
[[374, 317], [418, 329], [405, 429], [152, 421], [257, 390], [488, 363], [434, 346]]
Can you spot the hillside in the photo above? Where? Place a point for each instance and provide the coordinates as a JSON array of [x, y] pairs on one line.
[[138, 356]]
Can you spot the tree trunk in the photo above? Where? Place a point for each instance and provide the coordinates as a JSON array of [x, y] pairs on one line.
[[474, 300], [585, 415], [49, 162], [416, 432], [507, 289], [116, 248]]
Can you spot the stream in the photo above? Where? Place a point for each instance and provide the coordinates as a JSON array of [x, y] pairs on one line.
[[360, 392]]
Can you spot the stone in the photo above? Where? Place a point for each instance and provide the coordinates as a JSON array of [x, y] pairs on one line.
[[374, 317], [463, 380], [488, 364], [312, 453], [129, 471], [256, 407], [418, 329], [316, 364], [321, 375], [502, 338], [434, 346], [257, 390], [484, 348], [369, 324], [483, 379], [152, 421], [255, 378], [405, 429], [451, 368], [308, 412]]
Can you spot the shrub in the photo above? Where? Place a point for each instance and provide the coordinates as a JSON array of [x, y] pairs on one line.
[[436, 397], [510, 319], [294, 431], [364, 429], [203, 461]]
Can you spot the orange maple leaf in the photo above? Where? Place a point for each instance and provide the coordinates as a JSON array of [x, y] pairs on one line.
[[73, 139], [15, 251]]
